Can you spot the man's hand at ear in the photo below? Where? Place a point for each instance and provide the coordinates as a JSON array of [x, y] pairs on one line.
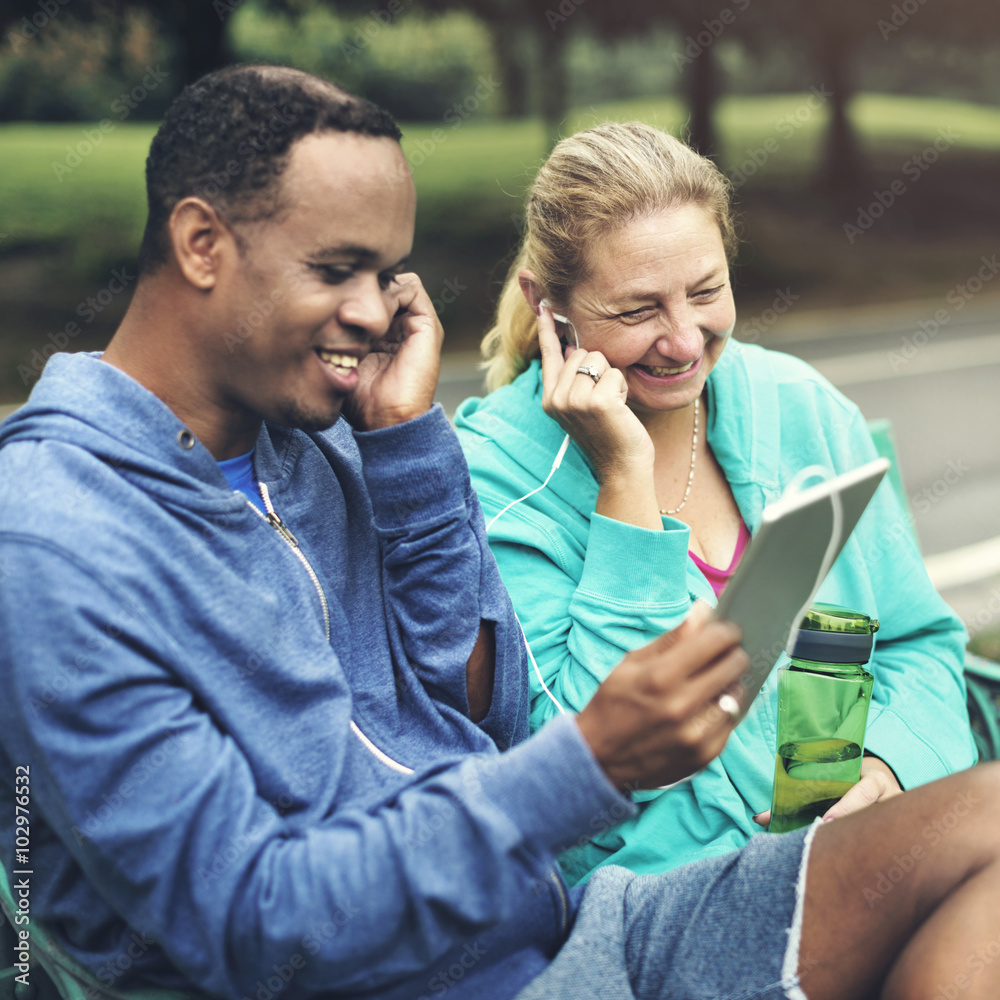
[[399, 376]]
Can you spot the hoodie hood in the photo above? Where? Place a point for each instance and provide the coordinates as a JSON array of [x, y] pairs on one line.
[[78, 402]]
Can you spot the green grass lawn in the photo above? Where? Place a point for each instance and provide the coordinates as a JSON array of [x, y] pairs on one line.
[[56, 192], [96, 208]]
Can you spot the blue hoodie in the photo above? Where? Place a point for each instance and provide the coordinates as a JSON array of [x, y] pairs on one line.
[[251, 759]]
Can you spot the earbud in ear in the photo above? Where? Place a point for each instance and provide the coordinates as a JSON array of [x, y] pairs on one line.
[[558, 317]]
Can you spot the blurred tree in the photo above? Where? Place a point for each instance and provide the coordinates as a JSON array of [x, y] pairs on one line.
[[198, 30], [411, 59], [697, 61], [832, 34], [510, 31], [511, 47], [839, 36], [523, 30], [552, 27], [700, 23]]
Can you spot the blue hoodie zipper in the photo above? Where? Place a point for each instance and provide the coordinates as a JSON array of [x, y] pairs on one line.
[[274, 519]]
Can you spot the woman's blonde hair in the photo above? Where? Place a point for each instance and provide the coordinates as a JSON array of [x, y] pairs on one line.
[[593, 183]]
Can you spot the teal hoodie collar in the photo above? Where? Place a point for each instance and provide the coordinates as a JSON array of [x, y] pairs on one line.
[[743, 427]]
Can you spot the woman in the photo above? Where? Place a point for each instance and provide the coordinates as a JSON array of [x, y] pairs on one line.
[[680, 436]]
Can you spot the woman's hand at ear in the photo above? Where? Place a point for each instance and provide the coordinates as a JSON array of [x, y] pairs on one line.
[[596, 417]]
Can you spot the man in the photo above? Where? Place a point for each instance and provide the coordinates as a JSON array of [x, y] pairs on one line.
[[260, 665]]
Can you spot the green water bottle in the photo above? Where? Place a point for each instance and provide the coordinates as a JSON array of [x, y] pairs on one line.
[[823, 699]]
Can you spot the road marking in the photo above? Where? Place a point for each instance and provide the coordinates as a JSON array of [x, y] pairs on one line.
[[940, 356], [965, 565]]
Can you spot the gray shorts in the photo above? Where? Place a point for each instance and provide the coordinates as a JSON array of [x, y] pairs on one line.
[[726, 928]]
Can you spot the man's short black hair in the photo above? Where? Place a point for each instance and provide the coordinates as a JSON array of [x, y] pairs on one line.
[[227, 137]]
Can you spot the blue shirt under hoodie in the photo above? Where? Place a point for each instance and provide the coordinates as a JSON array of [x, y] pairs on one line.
[[243, 766]]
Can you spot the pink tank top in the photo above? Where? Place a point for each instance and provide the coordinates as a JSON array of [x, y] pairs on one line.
[[718, 578]]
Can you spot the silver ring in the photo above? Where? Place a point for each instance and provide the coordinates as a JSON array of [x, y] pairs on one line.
[[591, 371], [730, 706]]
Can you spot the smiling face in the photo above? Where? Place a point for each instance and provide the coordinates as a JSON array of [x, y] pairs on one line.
[[314, 285], [658, 304]]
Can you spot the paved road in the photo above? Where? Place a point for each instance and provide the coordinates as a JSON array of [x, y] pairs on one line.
[[939, 384]]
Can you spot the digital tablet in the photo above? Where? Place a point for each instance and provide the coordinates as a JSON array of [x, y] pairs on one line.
[[779, 574]]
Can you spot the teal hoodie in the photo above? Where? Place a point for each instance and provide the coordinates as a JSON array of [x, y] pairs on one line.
[[588, 589]]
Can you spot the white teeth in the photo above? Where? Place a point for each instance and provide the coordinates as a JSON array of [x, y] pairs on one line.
[[339, 360], [660, 371]]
